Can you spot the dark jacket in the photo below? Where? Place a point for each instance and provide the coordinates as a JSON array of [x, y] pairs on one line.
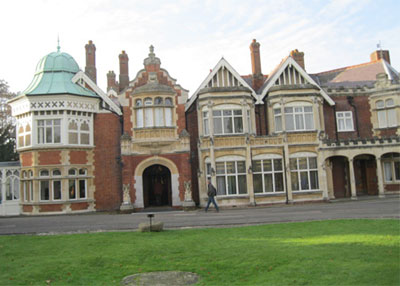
[[212, 192]]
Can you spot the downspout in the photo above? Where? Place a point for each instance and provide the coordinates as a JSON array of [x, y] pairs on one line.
[[350, 99], [336, 130], [285, 176]]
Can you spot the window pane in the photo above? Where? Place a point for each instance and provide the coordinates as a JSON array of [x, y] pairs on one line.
[[293, 164], [232, 185], [295, 181], [138, 102], [168, 116], [299, 122], [221, 185], [82, 172], [238, 125], [397, 170], [278, 123], [148, 121], [216, 113], [230, 168], [49, 135], [267, 165], [268, 185], [217, 126], [389, 102], [82, 189], [387, 166], [256, 166], [85, 138], [44, 173], [309, 121], [57, 190], [44, 190], [242, 184], [391, 113], [71, 172], [304, 181], [148, 101], [139, 118], [227, 112], [237, 112], [277, 164], [159, 116], [380, 104], [168, 101], [73, 138], [228, 125], [56, 173], [314, 180], [313, 162], [289, 122], [72, 189], [220, 167], [257, 183], [205, 126], [307, 108], [158, 101], [57, 134], [278, 182], [303, 163], [382, 118], [241, 166], [85, 126]]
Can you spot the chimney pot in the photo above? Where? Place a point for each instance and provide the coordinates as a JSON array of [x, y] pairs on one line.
[[90, 68], [257, 76], [123, 70], [298, 57], [380, 54]]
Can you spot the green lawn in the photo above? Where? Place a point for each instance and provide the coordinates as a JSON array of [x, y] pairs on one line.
[[342, 252]]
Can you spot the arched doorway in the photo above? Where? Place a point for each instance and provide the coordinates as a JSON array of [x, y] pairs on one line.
[[157, 186]]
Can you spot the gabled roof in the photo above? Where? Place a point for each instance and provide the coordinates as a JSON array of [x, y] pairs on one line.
[[357, 75], [236, 80], [295, 73], [82, 76]]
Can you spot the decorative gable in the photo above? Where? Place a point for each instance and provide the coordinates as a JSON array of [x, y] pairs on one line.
[[290, 73], [222, 76]]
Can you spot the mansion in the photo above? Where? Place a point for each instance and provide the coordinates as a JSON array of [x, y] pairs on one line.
[[286, 137]]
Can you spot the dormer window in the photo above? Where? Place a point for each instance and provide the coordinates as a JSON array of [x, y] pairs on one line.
[[298, 117]]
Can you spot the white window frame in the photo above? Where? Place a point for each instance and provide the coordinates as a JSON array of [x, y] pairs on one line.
[[150, 114], [76, 179], [295, 114], [386, 113], [389, 165], [226, 176], [271, 172], [307, 170], [345, 119], [232, 117], [42, 130]]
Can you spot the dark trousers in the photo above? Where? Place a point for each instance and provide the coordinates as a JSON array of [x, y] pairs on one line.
[[212, 200]]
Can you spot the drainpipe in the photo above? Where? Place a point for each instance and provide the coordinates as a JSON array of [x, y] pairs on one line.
[[350, 99], [334, 116], [285, 176]]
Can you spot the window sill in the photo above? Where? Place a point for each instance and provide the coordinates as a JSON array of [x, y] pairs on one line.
[[229, 197], [57, 202], [154, 127], [306, 192], [341, 131], [272, 194], [295, 131], [387, 128]]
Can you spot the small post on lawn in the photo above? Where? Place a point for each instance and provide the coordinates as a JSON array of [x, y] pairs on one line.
[[150, 216]]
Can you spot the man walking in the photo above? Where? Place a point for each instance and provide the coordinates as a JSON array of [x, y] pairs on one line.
[[212, 192]]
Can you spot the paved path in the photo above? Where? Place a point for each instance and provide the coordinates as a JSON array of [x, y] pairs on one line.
[[370, 207]]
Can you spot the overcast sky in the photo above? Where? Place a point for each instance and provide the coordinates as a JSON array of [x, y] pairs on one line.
[[191, 36]]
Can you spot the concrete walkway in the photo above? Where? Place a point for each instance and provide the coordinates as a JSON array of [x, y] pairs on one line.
[[365, 207]]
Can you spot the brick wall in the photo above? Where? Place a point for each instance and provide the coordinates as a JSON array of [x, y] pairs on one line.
[[77, 157], [193, 129], [261, 115], [107, 156], [49, 157], [361, 117], [26, 159]]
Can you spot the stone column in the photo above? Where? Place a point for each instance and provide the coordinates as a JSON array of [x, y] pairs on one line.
[[249, 173], [322, 177], [287, 170], [352, 180], [380, 177]]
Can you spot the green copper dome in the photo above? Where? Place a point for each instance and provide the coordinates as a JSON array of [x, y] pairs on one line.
[[54, 74]]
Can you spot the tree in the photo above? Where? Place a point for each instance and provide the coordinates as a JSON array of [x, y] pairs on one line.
[[7, 125]]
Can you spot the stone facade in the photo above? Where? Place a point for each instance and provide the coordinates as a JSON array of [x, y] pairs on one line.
[[285, 137]]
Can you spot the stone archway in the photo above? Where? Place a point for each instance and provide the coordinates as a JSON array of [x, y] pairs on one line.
[[140, 178], [157, 186]]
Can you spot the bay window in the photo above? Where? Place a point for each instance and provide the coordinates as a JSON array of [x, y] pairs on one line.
[[154, 114], [227, 121], [304, 173]]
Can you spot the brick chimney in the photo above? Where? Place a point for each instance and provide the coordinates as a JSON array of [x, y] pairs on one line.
[[90, 68], [298, 57], [111, 83], [123, 70], [257, 76], [380, 54]]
